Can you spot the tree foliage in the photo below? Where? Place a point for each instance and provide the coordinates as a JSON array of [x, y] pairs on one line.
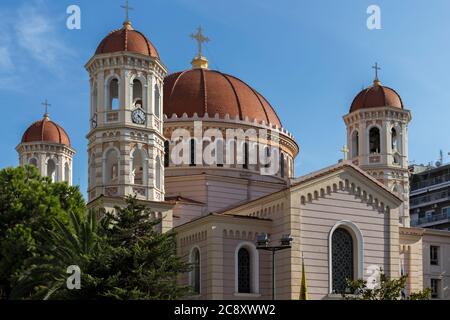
[[387, 289], [123, 256], [29, 204]]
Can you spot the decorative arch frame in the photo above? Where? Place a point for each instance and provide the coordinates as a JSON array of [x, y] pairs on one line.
[[104, 160], [144, 84], [107, 82], [254, 275], [145, 158], [358, 243], [380, 130]]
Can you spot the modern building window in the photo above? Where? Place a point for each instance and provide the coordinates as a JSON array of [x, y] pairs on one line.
[[195, 273], [435, 288], [374, 140], [434, 255], [244, 276], [342, 259]]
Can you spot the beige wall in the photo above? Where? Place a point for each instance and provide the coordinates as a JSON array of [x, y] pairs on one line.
[[441, 271]]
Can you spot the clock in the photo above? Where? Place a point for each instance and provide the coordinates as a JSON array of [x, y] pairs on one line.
[[138, 116]]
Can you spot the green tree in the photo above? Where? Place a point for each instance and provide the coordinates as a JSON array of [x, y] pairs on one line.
[[29, 203], [387, 289], [121, 257]]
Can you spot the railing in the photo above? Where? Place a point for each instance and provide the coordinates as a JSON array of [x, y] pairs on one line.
[[432, 218], [443, 195], [430, 182]]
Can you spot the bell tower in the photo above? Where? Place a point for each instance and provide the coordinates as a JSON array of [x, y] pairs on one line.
[[126, 142], [377, 136]]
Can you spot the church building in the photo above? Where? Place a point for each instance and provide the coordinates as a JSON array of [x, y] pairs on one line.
[[346, 221]]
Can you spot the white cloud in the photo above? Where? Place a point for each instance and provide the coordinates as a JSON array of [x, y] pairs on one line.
[[6, 63], [37, 34]]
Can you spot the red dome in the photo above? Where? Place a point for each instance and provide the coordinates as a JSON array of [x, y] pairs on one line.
[[376, 96], [127, 39], [46, 131], [203, 91]]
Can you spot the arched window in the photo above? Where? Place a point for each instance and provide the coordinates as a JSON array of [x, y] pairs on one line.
[[342, 255], [51, 169], [33, 162], [394, 141], [244, 276], [92, 173], [219, 151], [374, 140], [111, 167], [267, 160], [355, 144], [192, 153], [282, 164], [166, 153], [113, 102], [157, 102], [94, 98], [246, 155], [137, 94], [66, 172], [195, 273], [158, 172], [137, 168]]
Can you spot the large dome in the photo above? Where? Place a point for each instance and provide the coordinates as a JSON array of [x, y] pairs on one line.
[[201, 91], [127, 39], [376, 96], [46, 130]]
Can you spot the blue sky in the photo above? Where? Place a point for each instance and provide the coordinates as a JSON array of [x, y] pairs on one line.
[[309, 58]]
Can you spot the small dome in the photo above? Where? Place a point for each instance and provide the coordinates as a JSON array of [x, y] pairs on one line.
[[46, 130], [127, 39], [376, 96], [201, 91]]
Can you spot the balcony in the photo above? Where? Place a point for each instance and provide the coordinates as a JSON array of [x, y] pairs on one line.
[[430, 182], [429, 199], [431, 220]]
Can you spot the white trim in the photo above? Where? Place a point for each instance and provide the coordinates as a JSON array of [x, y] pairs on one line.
[[199, 266], [254, 272], [358, 243]]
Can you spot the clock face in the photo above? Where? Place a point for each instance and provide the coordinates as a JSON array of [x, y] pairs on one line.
[[138, 116]]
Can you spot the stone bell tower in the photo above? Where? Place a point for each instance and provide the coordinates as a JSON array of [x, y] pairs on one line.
[[377, 136], [126, 142]]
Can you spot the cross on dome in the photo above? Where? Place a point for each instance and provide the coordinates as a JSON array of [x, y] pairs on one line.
[[127, 9], [46, 105]]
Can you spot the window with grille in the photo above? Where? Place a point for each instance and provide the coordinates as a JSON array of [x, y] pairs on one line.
[[342, 259], [243, 271]]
